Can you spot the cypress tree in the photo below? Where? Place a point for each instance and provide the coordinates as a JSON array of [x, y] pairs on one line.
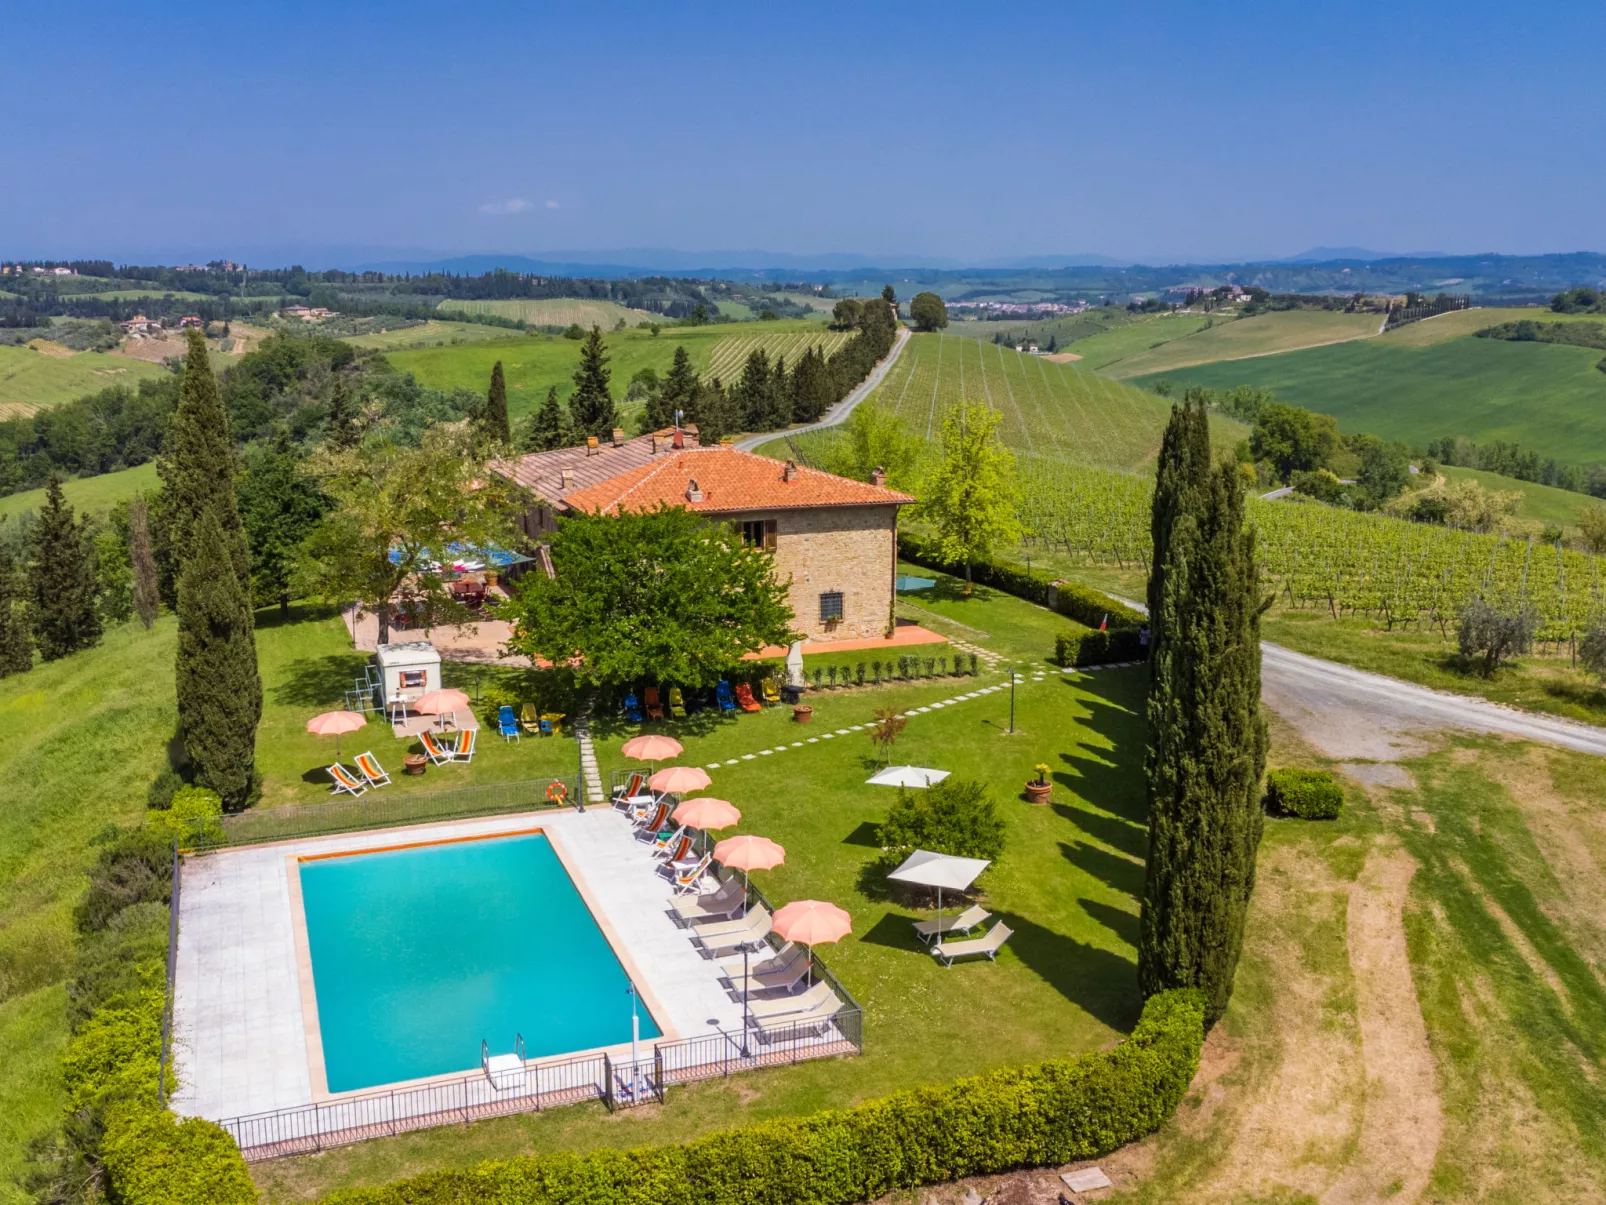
[[591, 404], [146, 593], [549, 426], [219, 690], [62, 575], [16, 642], [340, 432], [677, 392], [493, 421], [1207, 747], [198, 468], [751, 395]]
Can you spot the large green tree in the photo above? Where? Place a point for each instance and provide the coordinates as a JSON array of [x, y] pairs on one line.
[[16, 641], [1207, 740], [873, 437], [1293, 440], [675, 394], [199, 464], [661, 596], [61, 572], [928, 312], [395, 511], [219, 690], [591, 403], [280, 503], [970, 497], [549, 427], [493, 420]]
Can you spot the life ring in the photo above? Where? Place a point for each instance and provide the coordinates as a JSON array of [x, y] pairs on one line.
[[556, 792]]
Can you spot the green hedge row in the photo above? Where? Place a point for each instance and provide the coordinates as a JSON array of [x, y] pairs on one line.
[[1051, 1113], [1086, 606], [1094, 647], [1308, 794]]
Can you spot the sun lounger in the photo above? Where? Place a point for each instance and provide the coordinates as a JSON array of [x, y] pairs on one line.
[[632, 708], [757, 961], [346, 782], [989, 944], [720, 928], [782, 976], [689, 876], [722, 901], [677, 703], [465, 745], [752, 929], [368, 766], [772, 691], [655, 708], [802, 1003], [506, 722], [791, 1023], [964, 922], [438, 752], [744, 696], [530, 719], [722, 696]]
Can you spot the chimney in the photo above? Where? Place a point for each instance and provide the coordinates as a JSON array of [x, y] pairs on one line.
[[655, 444], [592, 447], [566, 480], [691, 430], [790, 471], [694, 492], [680, 441], [618, 437], [878, 476]]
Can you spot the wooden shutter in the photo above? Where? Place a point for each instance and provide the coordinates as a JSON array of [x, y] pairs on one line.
[[769, 535]]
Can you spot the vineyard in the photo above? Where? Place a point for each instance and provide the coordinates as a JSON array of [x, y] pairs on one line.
[[731, 353], [1345, 562], [552, 311]]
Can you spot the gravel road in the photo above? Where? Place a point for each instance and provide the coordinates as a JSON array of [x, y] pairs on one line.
[[839, 412]]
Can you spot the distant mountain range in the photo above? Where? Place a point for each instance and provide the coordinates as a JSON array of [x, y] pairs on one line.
[[1328, 255]]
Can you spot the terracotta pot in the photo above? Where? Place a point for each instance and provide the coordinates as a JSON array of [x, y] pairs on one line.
[[1038, 792], [803, 713], [414, 763]]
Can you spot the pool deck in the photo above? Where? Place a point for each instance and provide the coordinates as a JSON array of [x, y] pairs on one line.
[[242, 1038]]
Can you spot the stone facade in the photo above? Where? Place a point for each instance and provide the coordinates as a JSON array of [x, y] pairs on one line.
[[850, 550]]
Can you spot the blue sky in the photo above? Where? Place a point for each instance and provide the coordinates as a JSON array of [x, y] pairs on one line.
[[971, 133]]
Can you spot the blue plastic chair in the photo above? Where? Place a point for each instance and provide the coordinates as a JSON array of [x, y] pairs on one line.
[[722, 696], [632, 708], [507, 722]]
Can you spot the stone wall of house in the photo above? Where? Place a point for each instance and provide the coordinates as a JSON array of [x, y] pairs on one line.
[[852, 549]]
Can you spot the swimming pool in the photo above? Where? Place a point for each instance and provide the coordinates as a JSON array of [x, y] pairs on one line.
[[418, 954]]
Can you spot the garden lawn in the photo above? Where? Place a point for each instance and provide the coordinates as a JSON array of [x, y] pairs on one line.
[[1068, 885]]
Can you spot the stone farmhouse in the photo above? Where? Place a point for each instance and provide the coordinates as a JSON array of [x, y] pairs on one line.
[[834, 540]]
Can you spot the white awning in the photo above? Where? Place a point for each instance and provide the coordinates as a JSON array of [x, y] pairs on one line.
[[943, 871], [906, 776]]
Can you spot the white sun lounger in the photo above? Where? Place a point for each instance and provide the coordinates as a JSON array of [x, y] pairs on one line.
[[718, 928], [791, 1023], [754, 928], [988, 944], [963, 922], [811, 999], [783, 978], [722, 901]]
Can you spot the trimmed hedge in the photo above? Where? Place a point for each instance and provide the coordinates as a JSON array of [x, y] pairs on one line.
[[1094, 647], [153, 1158], [1047, 1114], [1307, 794]]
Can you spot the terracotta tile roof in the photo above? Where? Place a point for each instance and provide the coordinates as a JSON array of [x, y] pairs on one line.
[[727, 481], [542, 473]]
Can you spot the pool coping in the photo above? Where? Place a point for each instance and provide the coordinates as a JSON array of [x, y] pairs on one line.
[[313, 1033]]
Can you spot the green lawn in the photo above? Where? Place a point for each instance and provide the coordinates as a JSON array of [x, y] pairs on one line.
[[533, 364], [1262, 335], [89, 494], [30, 379], [1549, 398]]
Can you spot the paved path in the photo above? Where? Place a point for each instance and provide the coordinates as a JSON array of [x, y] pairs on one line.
[[839, 412]]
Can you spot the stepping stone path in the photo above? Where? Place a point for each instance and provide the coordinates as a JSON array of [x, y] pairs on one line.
[[588, 757]]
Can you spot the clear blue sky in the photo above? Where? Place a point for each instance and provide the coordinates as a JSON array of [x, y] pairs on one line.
[[977, 133]]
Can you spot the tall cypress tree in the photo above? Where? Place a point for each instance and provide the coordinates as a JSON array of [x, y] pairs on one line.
[[16, 642], [549, 426], [62, 574], [1207, 748], [591, 404], [677, 392], [340, 432], [198, 468], [494, 421], [219, 690], [146, 592]]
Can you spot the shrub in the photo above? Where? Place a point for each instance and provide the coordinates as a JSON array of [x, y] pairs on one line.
[[135, 867], [494, 698], [975, 665], [163, 787], [193, 813], [1494, 635], [1046, 1114], [113, 965], [858, 672], [955, 816], [1093, 647], [152, 1158], [1308, 794]]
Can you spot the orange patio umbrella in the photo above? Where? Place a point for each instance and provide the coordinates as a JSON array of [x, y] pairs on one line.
[[707, 813], [679, 780], [441, 702], [333, 723], [651, 748], [812, 922], [747, 853]]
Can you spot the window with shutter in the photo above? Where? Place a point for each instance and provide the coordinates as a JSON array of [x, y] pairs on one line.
[[830, 606]]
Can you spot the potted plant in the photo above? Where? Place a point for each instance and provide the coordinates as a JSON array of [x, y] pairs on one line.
[[1037, 789], [802, 713]]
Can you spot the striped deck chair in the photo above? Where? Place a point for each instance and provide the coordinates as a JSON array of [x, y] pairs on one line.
[[653, 820], [437, 751], [689, 877], [625, 795], [464, 751], [674, 850], [368, 766], [345, 781]]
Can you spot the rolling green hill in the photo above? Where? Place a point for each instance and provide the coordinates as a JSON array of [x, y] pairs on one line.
[[1542, 503], [1548, 397], [554, 311], [31, 379], [433, 333], [1262, 335], [89, 494]]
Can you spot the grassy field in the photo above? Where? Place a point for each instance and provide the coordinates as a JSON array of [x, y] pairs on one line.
[[1542, 503], [731, 352], [1132, 338], [1053, 410], [1548, 397], [555, 311], [1262, 335], [1466, 322], [140, 294], [30, 379], [433, 333], [533, 364], [89, 494]]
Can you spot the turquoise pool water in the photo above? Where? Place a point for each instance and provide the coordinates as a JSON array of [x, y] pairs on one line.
[[417, 954]]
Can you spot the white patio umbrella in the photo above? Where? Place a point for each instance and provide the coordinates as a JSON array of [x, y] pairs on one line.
[[929, 869], [906, 776]]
